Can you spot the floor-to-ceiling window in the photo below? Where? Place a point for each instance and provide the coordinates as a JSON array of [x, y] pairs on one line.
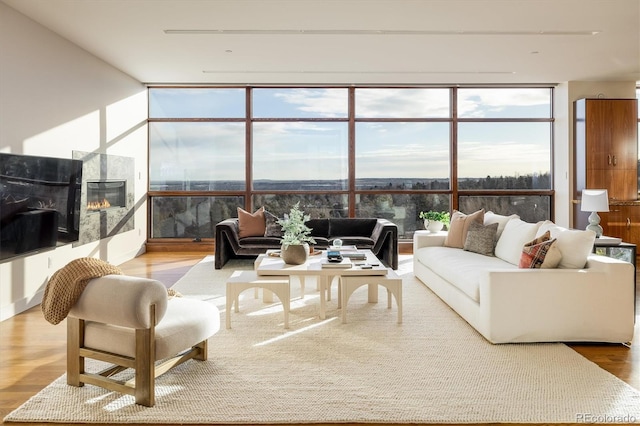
[[346, 152], [504, 151]]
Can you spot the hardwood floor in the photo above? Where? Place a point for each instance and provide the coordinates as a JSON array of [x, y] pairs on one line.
[[33, 352]]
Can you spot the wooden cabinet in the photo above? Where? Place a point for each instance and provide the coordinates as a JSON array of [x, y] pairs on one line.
[[622, 221], [606, 146]]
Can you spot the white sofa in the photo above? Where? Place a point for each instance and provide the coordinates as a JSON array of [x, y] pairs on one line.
[[508, 304]]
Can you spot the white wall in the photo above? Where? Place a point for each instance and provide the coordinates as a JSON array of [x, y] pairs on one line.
[[56, 98], [563, 153]]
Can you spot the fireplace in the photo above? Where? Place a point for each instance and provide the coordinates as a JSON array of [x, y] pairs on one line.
[[102, 195]]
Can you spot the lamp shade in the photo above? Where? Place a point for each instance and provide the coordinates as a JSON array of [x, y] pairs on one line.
[[595, 200]]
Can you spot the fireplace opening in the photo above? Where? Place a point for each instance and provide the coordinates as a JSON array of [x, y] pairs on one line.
[[102, 195]]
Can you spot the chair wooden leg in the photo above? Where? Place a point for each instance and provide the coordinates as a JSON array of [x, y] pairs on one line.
[[75, 339], [145, 364], [203, 351]]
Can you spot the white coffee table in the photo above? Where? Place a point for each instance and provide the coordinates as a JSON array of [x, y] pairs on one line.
[[270, 265]]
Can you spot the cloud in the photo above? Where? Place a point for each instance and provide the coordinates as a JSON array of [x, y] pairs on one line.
[[478, 103], [316, 102]]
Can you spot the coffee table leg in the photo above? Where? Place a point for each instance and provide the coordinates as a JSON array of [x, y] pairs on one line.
[[373, 293], [301, 278], [322, 281]]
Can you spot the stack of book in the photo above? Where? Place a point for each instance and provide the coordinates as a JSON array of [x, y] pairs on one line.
[[345, 263]]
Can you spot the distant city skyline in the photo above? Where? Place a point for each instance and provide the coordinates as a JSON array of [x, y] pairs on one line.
[[328, 184]]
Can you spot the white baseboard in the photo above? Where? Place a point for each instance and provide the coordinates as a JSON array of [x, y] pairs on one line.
[[21, 305], [127, 256]]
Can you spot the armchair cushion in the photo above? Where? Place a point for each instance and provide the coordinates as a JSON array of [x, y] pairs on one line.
[[186, 322]]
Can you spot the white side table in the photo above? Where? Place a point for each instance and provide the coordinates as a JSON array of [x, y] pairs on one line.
[[392, 282], [617, 249], [243, 280]]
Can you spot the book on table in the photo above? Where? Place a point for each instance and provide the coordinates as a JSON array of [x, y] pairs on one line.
[[354, 255], [351, 252], [343, 248], [345, 263]]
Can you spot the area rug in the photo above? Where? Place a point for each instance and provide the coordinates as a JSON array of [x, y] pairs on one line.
[[432, 368]]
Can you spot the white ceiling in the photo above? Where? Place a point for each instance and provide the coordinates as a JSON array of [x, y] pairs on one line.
[[353, 41]]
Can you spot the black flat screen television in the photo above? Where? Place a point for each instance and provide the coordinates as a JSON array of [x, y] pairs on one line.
[[39, 203]]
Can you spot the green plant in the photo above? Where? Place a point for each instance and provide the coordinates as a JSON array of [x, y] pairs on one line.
[[431, 215], [294, 230]]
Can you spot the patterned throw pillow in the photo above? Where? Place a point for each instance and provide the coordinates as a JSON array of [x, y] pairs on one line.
[[251, 225], [272, 227], [541, 253], [481, 239]]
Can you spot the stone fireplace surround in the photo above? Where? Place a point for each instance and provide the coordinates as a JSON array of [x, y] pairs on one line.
[[96, 224]]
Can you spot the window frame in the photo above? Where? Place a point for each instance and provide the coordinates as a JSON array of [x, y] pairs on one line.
[[351, 192]]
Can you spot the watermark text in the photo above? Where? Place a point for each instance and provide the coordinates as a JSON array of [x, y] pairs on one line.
[[604, 418]]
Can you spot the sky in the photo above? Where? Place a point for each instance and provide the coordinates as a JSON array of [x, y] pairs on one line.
[[313, 150]]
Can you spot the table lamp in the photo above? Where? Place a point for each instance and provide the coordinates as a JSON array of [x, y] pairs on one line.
[[594, 201]]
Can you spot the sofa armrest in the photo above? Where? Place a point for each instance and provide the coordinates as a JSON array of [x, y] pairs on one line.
[[571, 304], [381, 225], [385, 242], [428, 239], [598, 262], [227, 241]]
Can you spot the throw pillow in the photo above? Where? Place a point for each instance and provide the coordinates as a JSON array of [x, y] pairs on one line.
[[271, 225], [481, 239], [541, 253], [575, 245], [515, 235], [459, 226], [251, 225], [491, 217]]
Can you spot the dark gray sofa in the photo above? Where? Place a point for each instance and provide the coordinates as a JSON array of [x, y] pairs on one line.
[[378, 235]]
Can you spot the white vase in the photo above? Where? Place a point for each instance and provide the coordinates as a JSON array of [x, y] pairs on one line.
[[295, 254], [434, 225]]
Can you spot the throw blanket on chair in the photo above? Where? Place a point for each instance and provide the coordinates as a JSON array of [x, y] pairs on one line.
[[67, 284]]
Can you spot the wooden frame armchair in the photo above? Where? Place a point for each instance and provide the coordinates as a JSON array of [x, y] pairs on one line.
[[131, 323]]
